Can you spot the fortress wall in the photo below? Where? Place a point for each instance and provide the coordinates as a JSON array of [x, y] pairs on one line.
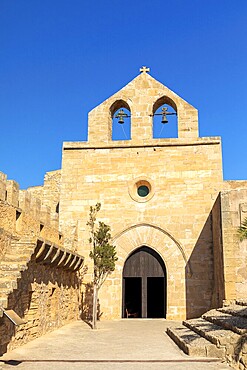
[[46, 297], [24, 212]]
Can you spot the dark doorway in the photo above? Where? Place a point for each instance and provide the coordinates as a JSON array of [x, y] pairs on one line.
[[133, 296], [144, 285], [155, 297]]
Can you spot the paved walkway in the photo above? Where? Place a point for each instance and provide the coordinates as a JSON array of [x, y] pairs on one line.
[[124, 344]]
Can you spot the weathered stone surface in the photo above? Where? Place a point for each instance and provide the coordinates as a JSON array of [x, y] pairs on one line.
[[234, 323], [214, 333], [193, 344]]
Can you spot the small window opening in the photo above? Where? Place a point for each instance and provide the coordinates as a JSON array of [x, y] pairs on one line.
[[18, 221], [143, 191], [60, 236], [41, 226], [121, 124], [57, 208], [165, 125], [17, 215], [6, 195]]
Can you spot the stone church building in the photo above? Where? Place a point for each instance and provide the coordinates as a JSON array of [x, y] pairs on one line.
[[173, 220]]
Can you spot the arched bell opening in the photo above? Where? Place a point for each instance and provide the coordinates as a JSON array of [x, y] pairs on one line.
[[121, 120], [165, 123], [144, 285]]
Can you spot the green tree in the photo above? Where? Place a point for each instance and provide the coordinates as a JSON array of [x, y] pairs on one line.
[[242, 230], [103, 254]]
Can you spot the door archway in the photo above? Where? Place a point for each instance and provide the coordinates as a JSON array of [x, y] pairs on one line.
[[144, 285]]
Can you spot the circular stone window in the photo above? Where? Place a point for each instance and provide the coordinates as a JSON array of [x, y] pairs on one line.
[[141, 189]]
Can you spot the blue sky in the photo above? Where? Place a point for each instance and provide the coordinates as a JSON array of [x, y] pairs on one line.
[[61, 58]]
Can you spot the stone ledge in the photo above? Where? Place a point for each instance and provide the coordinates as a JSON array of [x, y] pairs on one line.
[[48, 253], [155, 143]]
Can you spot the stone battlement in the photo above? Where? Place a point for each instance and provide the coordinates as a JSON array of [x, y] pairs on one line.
[[25, 211]]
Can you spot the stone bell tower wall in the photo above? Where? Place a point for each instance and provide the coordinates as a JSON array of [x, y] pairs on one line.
[[142, 96]]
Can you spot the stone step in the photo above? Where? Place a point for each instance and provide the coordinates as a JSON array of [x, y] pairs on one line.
[[235, 310], [9, 265], [16, 257], [5, 291], [193, 344], [227, 321], [241, 302], [213, 333], [10, 274], [9, 284]]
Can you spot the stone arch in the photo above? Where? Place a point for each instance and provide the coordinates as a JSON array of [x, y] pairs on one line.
[[173, 255], [125, 133], [169, 130], [144, 284], [164, 100], [150, 235], [119, 103]]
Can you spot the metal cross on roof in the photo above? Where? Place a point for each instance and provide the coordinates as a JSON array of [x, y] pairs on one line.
[[144, 69]]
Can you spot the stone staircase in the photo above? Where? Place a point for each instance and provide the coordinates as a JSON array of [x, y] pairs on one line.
[[219, 333], [13, 263]]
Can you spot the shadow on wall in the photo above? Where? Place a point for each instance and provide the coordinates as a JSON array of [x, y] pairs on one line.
[[87, 305], [200, 280], [46, 297]]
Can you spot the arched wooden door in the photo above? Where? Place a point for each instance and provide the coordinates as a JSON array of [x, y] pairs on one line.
[[144, 285]]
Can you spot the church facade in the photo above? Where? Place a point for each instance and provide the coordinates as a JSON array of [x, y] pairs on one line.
[[176, 223], [173, 221]]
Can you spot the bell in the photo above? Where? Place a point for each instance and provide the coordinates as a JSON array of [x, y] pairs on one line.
[[121, 116], [164, 118]]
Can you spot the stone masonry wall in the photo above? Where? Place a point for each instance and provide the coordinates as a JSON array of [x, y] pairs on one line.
[[185, 182], [45, 297], [233, 212], [184, 177]]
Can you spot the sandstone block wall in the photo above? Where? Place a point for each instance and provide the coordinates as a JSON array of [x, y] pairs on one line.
[[185, 185], [184, 176], [233, 212], [45, 296]]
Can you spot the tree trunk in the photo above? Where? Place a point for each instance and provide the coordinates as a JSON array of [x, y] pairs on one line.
[[95, 306]]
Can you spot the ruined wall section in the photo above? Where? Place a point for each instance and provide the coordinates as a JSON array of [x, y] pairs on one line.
[[233, 212]]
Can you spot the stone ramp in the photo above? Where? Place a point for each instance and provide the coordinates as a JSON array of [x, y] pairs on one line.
[[218, 333]]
